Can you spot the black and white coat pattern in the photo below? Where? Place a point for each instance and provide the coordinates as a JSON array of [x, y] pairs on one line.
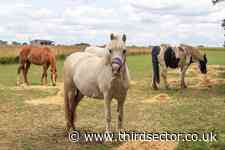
[[182, 56]]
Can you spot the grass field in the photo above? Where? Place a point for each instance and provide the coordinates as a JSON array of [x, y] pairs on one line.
[[33, 117]]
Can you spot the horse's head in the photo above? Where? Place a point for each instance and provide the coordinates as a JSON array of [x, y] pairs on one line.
[[117, 53], [203, 64]]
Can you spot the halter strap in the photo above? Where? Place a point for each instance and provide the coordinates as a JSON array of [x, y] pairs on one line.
[[117, 60]]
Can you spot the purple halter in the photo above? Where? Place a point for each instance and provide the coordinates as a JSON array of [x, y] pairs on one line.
[[118, 61]]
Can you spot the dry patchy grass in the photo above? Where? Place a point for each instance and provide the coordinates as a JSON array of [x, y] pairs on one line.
[[33, 117]]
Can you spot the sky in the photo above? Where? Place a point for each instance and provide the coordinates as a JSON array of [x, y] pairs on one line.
[[145, 22]]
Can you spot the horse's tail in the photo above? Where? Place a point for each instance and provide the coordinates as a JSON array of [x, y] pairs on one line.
[[67, 107], [155, 63], [22, 57]]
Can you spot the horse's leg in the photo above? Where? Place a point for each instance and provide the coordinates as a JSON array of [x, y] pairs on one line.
[[183, 72], [42, 76], [164, 76], [108, 99], [73, 106], [26, 71], [46, 74], [21, 67], [154, 85], [120, 106]]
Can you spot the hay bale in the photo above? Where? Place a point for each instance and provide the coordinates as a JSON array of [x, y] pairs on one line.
[[162, 98], [205, 81], [148, 145], [173, 82], [132, 82]]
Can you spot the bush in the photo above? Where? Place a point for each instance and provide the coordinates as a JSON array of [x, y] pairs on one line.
[[15, 60], [9, 60]]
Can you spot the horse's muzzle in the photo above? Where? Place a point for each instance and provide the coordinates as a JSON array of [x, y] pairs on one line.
[[116, 65]]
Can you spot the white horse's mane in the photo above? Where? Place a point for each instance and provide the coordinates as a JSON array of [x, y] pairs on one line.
[[116, 43]]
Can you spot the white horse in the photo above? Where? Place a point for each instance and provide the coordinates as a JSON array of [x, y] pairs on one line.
[[102, 52], [87, 74]]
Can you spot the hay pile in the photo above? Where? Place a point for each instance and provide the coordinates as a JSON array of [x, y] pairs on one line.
[[162, 98], [133, 82], [148, 145], [173, 82], [205, 81], [213, 77], [55, 99]]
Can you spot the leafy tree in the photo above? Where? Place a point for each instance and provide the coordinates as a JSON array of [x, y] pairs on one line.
[[223, 23], [216, 1]]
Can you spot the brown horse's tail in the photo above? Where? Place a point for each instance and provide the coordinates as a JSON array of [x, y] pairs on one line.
[[20, 64], [23, 54], [68, 96], [67, 107], [22, 57]]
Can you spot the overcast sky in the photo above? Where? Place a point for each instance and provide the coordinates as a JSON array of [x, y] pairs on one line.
[[146, 22]]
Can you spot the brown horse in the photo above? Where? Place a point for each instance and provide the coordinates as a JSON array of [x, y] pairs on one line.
[[38, 56]]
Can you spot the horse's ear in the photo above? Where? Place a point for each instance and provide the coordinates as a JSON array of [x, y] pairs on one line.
[[112, 36], [124, 38], [205, 58]]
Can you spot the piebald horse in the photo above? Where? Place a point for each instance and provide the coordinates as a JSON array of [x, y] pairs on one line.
[[38, 56], [87, 74], [181, 57]]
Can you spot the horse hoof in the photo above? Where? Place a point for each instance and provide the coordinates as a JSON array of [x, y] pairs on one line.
[[155, 87], [119, 129], [166, 86], [108, 131], [183, 86]]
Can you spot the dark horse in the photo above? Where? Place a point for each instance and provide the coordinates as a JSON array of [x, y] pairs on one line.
[[38, 56], [181, 57]]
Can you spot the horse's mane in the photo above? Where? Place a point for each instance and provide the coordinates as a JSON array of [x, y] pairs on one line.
[[116, 43], [194, 52], [165, 45], [47, 49]]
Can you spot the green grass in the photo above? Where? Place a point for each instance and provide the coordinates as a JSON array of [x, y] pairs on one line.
[[216, 57], [42, 126], [139, 65]]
